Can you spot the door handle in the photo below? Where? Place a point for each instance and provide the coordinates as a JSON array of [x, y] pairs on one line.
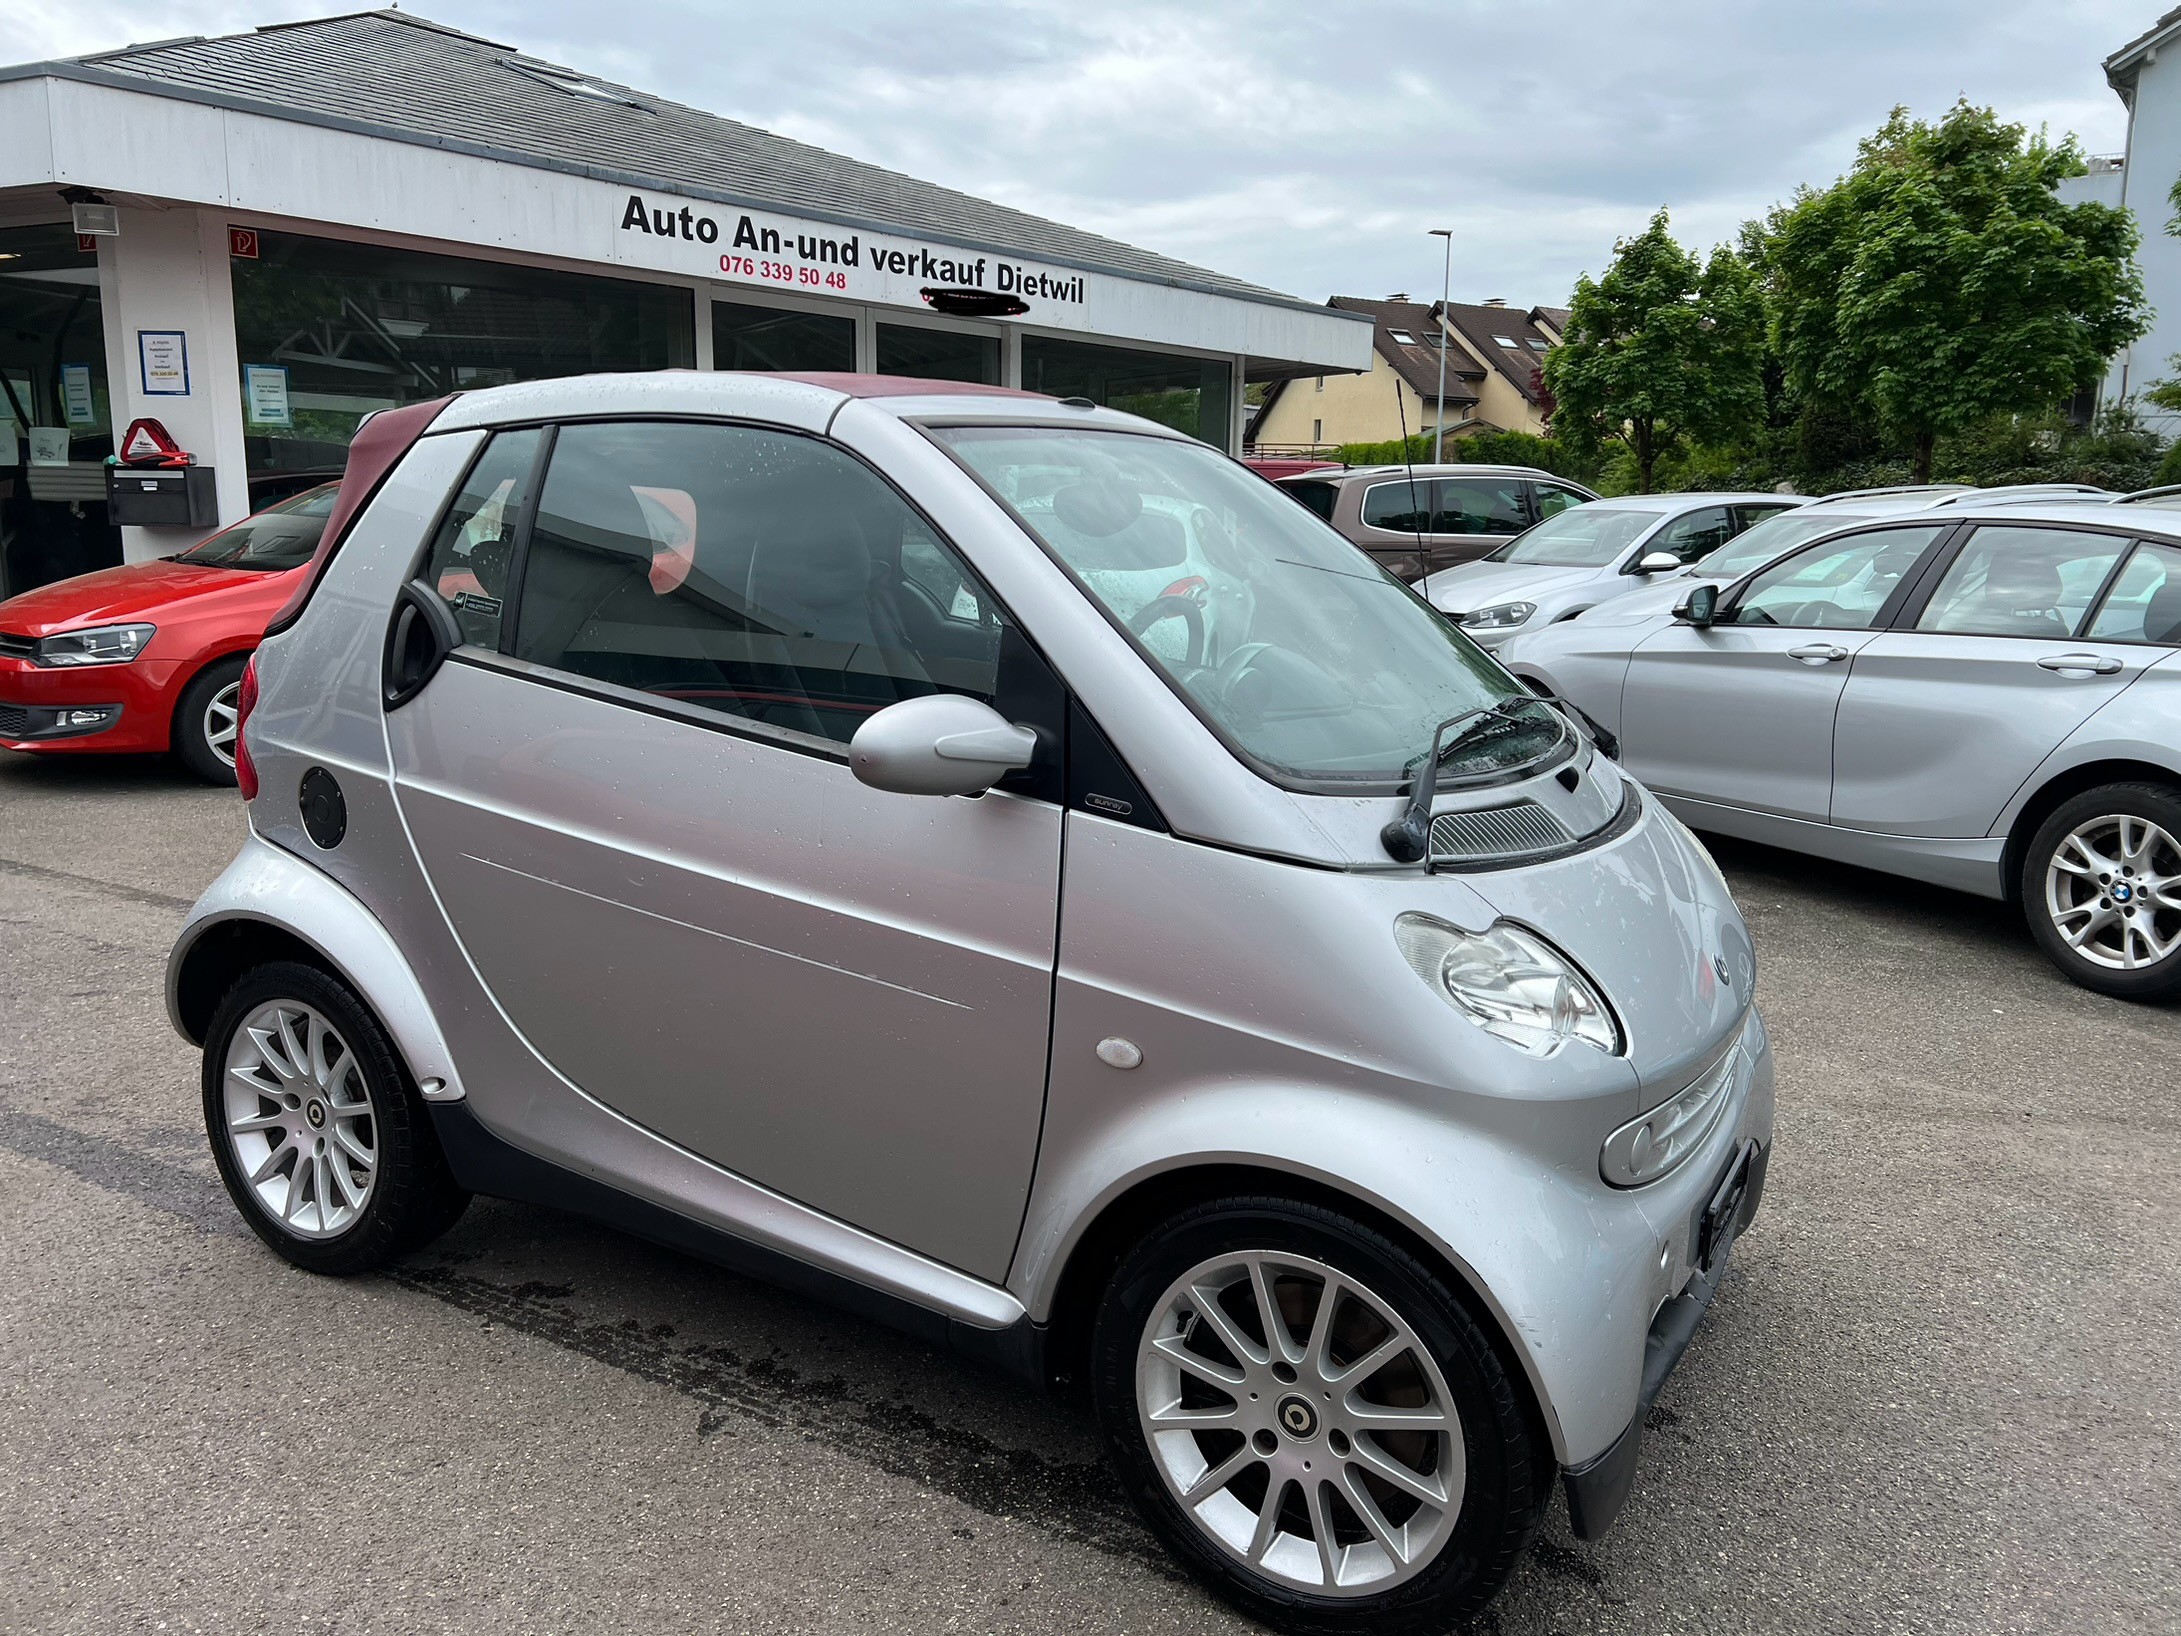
[[1817, 653], [2080, 664]]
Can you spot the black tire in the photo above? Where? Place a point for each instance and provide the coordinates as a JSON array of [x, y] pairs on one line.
[[2152, 803], [192, 748], [1508, 1464], [412, 1197]]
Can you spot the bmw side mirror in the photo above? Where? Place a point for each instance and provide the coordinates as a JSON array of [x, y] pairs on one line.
[[1658, 562], [943, 744], [1702, 607]]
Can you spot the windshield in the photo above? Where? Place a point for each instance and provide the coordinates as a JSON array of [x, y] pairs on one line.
[[1314, 664], [1580, 537], [282, 536], [1769, 540]]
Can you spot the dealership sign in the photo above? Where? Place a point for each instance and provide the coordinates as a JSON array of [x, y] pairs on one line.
[[779, 252]]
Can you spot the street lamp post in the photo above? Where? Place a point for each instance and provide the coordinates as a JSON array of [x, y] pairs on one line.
[[1446, 286]]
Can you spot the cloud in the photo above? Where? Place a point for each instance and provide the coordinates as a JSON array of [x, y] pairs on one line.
[[1309, 148]]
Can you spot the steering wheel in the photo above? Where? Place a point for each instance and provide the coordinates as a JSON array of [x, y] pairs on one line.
[[1173, 607]]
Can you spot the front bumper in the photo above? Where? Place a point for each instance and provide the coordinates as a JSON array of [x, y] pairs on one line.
[[1599, 1487], [36, 703]]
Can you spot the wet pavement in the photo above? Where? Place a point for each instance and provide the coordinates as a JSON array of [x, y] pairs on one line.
[[1940, 1392]]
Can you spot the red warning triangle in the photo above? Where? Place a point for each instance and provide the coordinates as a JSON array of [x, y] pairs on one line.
[[147, 443]]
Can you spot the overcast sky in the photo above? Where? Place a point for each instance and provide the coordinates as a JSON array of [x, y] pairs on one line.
[[1308, 148]]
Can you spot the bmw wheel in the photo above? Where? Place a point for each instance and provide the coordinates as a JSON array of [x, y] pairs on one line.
[[2101, 885], [1315, 1422], [320, 1136], [207, 719]]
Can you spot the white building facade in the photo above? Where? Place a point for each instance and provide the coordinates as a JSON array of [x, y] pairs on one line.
[[2146, 75], [319, 220]]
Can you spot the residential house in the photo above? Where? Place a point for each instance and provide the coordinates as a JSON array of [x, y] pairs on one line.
[[2146, 75], [1491, 353]]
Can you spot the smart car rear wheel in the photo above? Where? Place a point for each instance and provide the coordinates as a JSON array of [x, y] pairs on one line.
[[206, 721], [318, 1133], [2101, 885], [1314, 1421]]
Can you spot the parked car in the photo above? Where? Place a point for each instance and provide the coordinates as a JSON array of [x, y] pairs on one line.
[[1987, 699], [149, 656], [790, 845], [1580, 558], [1417, 520]]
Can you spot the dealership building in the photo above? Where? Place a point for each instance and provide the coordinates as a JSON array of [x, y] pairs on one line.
[[260, 239]]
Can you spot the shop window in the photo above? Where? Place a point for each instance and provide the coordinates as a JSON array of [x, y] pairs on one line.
[[328, 332], [938, 354], [56, 423], [750, 337], [1192, 395]]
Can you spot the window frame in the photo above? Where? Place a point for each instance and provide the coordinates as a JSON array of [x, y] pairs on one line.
[[1937, 565], [1046, 774], [1889, 612], [2112, 583]]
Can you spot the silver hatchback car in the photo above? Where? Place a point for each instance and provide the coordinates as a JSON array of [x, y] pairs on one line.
[[794, 821], [1984, 697]]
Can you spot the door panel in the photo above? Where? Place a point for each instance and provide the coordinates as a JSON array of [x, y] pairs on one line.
[[1937, 732], [1729, 715], [840, 993]]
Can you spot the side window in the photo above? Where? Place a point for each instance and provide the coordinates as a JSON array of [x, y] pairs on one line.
[[1747, 517], [1319, 497], [1838, 585], [1693, 537], [2144, 604], [1400, 505], [470, 554], [2022, 582], [1478, 505], [756, 573], [1552, 499]]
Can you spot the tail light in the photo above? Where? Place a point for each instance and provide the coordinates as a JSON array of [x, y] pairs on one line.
[[245, 702]]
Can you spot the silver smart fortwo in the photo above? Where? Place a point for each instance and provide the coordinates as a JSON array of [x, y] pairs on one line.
[[801, 822]]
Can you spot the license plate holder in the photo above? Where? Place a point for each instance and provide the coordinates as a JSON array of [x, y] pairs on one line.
[[1722, 1216]]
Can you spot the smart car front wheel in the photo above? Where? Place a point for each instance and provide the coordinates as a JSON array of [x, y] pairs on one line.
[[322, 1140], [2101, 885], [1314, 1421]]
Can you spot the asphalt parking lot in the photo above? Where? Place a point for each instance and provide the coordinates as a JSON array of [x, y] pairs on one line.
[[1941, 1392]]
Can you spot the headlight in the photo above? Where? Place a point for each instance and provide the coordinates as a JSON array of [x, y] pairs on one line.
[[1501, 616], [1645, 1149], [108, 645], [1509, 982]]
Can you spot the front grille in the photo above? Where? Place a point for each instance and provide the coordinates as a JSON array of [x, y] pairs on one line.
[[14, 721], [16, 647], [1497, 832]]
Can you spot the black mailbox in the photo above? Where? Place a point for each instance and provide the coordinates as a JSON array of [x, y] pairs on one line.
[[161, 496]]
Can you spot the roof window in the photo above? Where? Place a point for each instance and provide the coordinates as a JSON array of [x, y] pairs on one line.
[[1505, 340], [576, 85], [1403, 336]]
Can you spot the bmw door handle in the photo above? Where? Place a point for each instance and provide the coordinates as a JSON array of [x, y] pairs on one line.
[[1817, 653], [2080, 664]]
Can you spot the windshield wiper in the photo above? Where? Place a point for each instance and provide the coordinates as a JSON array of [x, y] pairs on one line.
[[1408, 837]]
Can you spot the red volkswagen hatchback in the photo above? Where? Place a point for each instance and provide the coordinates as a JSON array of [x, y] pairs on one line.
[[149, 656]]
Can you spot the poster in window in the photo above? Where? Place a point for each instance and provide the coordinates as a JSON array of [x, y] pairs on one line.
[[265, 390], [76, 395], [49, 445]]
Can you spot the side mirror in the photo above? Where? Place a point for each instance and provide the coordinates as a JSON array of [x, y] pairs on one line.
[[1658, 562], [1702, 607], [943, 744]]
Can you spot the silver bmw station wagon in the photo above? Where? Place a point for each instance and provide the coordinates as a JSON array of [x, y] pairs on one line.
[[997, 863]]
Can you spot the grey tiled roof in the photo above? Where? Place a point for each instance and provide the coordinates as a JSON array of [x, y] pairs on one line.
[[393, 74]]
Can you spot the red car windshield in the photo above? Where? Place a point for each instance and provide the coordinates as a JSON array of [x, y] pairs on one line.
[[282, 536]]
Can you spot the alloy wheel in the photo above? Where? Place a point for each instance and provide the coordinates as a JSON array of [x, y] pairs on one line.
[[2113, 890], [299, 1120], [1300, 1423], [222, 719]]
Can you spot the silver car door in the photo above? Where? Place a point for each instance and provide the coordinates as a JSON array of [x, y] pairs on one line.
[[1940, 723], [1741, 714], [640, 821]]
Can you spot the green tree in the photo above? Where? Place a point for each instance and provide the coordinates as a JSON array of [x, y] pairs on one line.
[[1942, 282], [1660, 352]]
